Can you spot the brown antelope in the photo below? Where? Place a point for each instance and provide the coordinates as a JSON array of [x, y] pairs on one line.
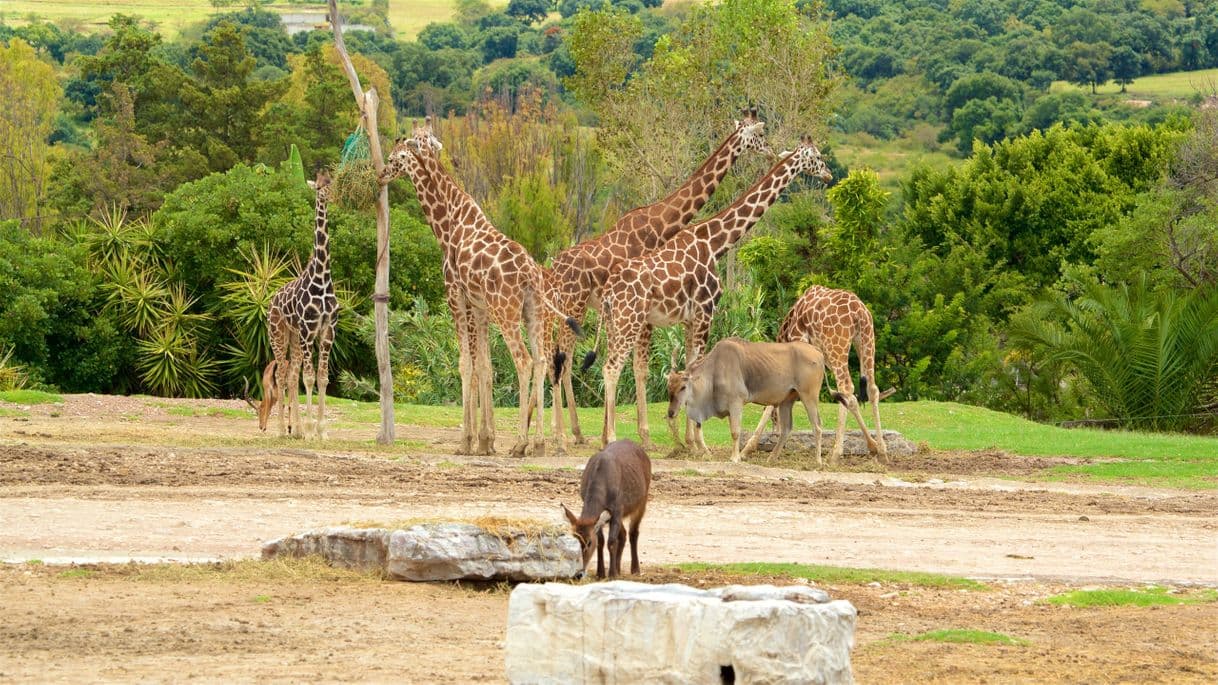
[[270, 393], [614, 488], [736, 372]]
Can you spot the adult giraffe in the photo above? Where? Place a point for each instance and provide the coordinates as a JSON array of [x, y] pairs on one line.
[[487, 277], [303, 312], [679, 283], [830, 319], [578, 274]]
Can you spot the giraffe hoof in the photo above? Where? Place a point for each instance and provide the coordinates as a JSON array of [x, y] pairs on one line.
[[580, 440]]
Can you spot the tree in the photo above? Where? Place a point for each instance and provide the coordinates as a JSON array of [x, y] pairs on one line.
[[988, 121], [27, 114], [1088, 64], [657, 125], [227, 103], [1125, 65], [530, 11]]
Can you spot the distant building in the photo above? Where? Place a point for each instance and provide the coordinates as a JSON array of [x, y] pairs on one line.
[[299, 22]]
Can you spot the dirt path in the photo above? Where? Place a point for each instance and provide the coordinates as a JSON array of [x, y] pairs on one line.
[[112, 504]]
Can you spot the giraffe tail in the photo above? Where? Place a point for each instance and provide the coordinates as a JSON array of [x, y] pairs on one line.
[[590, 357], [862, 388], [569, 320]]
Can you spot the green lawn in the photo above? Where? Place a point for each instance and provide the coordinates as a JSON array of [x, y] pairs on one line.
[[839, 574], [407, 17], [958, 636], [1154, 596], [891, 159], [1147, 458], [1176, 85]]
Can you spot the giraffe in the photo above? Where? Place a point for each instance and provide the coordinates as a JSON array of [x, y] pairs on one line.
[[829, 319], [488, 278], [679, 283], [303, 312], [578, 273]]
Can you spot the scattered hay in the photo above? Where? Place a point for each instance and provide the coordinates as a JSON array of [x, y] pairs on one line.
[[503, 527], [354, 184], [280, 569]]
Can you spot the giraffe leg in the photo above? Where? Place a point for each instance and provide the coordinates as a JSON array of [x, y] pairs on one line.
[[642, 351], [538, 329], [612, 369], [462, 322], [874, 398], [323, 375], [484, 374], [310, 378], [696, 334], [566, 344], [293, 401], [555, 374], [279, 341]]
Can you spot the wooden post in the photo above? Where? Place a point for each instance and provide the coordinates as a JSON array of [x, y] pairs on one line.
[[367, 103]]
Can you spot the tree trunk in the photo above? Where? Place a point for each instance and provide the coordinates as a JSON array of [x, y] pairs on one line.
[[367, 103]]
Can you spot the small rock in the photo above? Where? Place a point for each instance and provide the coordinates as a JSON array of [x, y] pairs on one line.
[[1084, 518], [873, 584]]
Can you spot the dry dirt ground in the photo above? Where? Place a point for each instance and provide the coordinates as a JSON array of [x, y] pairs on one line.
[[103, 480]]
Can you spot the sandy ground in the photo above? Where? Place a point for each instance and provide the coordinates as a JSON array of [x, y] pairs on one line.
[[113, 479]]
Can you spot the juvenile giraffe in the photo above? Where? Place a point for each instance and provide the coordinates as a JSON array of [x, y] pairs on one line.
[[488, 277], [829, 319], [679, 283], [577, 274], [303, 312]]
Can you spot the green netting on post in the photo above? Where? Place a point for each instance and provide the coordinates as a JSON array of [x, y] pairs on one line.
[[354, 183]]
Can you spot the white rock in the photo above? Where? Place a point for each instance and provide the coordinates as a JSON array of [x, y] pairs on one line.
[[438, 551], [852, 443], [626, 632], [448, 551]]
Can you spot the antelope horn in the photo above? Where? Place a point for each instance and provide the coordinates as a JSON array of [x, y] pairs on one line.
[[245, 395]]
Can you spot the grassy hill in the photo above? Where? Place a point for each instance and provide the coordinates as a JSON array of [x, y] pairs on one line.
[[1179, 85], [407, 17]]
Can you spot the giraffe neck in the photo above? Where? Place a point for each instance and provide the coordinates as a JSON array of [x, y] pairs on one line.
[[320, 260], [431, 198], [725, 228], [701, 184], [459, 202]]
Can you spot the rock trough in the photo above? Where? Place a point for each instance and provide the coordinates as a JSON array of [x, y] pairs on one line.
[[440, 551], [627, 632]]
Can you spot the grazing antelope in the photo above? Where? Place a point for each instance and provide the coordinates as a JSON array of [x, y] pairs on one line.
[[614, 489]]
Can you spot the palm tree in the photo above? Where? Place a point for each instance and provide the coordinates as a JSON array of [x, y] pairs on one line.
[[1147, 355]]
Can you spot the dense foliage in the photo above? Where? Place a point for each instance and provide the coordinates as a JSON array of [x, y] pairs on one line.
[[1056, 257]]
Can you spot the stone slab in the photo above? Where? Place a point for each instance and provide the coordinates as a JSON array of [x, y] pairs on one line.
[[852, 444], [627, 632], [439, 551]]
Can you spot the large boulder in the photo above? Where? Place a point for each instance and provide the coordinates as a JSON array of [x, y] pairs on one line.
[[626, 632], [852, 443], [440, 551]]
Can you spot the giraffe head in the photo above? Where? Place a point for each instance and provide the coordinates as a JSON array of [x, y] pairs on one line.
[[321, 184], [750, 133], [421, 141], [807, 159]]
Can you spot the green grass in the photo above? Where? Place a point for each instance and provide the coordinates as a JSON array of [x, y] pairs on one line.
[[407, 17], [839, 574], [1155, 596], [30, 397], [225, 412], [76, 573], [892, 160], [1179, 85], [6, 412], [955, 636], [1172, 460]]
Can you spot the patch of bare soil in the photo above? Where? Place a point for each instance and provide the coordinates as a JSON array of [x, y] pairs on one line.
[[108, 477], [107, 623]]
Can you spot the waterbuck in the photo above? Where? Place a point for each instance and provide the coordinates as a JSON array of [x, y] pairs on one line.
[[614, 488], [737, 371]]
